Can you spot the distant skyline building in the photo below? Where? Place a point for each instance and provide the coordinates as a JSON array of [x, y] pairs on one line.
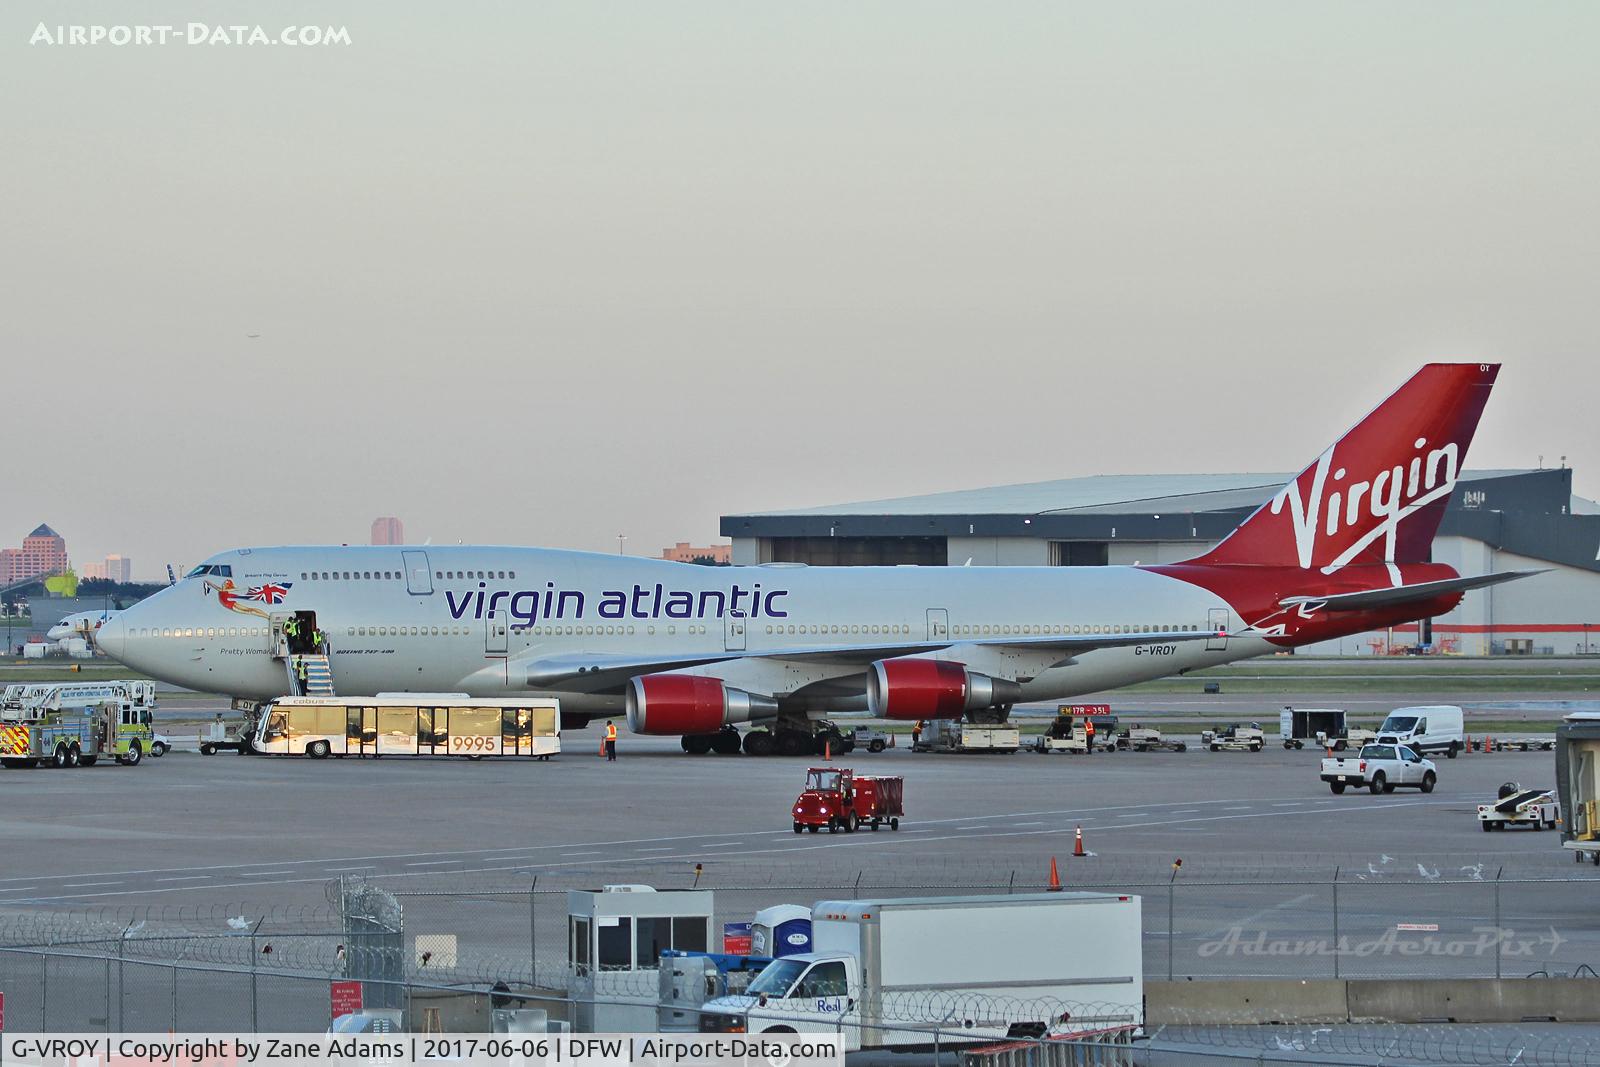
[[683, 552], [42, 552], [113, 568], [388, 530]]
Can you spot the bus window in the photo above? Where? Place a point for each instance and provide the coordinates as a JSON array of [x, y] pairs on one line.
[[302, 721], [328, 721], [475, 731], [277, 724], [352, 725], [544, 722], [425, 729], [398, 725]]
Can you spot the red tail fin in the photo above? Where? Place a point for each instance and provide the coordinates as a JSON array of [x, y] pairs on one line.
[[1377, 495]]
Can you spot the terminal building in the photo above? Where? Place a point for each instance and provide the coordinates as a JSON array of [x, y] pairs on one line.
[[1497, 520]]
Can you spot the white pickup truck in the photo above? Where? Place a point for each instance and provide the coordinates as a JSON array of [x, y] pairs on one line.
[[1381, 768]]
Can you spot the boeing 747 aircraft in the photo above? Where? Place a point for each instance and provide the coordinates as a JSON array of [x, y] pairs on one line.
[[80, 624], [686, 650]]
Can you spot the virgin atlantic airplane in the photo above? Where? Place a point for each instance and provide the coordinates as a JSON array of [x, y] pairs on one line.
[[692, 651]]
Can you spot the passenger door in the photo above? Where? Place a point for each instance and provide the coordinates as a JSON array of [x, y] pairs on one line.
[[494, 635], [938, 624], [419, 578], [1217, 622], [733, 635]]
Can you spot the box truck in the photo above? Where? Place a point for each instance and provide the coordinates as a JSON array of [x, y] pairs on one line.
[[920, 971]]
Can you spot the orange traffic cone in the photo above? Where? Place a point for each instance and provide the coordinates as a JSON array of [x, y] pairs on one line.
[[1077, 843], [891, 739], [1468, 749], [1055, 877], [602, 751], [827, 750]]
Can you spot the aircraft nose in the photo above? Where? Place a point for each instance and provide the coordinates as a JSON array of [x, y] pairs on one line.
[[112, 637]]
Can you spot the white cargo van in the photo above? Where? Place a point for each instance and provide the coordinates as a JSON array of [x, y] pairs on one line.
[[1429, 729]]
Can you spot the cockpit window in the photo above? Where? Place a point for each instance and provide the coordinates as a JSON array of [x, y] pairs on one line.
[[221, 570]]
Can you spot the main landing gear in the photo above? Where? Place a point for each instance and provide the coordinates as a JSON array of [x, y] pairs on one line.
[[782, 738]]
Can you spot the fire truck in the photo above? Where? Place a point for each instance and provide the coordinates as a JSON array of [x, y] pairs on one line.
[[77, 737], [840, 799]]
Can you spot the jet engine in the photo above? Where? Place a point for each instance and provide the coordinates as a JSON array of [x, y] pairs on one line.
[[690, 704], [914, 688]]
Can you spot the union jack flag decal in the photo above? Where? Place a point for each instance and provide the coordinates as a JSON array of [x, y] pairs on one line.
[[269, 594]]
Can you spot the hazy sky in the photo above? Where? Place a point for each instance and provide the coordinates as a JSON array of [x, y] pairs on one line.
[[543, 274]]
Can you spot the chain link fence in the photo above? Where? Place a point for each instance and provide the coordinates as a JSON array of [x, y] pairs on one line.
[[1437, 918], [446, 956]]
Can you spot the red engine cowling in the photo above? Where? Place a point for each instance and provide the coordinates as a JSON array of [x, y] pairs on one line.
[[690, 704], [914, 688]]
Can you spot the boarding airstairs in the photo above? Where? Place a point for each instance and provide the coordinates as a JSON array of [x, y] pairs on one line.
[[319, 675]]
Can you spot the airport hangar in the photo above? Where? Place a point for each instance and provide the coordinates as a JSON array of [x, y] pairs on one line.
[[1496, 520]]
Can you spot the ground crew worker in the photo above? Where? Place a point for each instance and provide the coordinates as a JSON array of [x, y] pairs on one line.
[[611, 741], [1088, 733], [291, 633], [316, 641], [300, 674], [916, 733]]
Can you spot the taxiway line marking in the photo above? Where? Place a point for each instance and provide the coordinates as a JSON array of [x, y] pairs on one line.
[[486, 853], [847, 842]]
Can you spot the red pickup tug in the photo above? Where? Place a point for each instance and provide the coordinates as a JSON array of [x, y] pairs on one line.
[[837, 797]]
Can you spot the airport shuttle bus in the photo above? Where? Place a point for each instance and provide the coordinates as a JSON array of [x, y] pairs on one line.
[[409, 724]]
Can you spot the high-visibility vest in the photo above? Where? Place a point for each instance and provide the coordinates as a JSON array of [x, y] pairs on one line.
[[611, 731], [1088, 728], [302, 670], [316, 638]]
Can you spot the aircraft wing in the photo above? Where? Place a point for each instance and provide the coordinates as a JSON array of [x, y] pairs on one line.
[[1403, 594], [598, 672]]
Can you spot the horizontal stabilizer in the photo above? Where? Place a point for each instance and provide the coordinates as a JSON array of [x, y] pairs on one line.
[[1368, 599]]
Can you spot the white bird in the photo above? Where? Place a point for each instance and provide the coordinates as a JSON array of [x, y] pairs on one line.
[[1427, 873]]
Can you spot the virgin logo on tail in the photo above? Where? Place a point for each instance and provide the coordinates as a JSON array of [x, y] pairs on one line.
[[1377, 494], [1388, 497]]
